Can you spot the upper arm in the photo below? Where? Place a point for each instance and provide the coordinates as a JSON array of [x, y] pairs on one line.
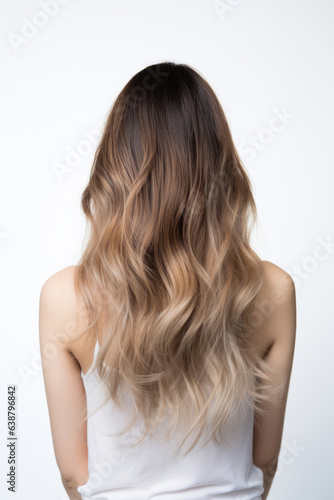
[[62, 377], [280, 326]]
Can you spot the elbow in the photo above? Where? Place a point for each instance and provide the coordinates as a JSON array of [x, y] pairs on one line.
[[268, 467], [71, 482], [68, 482]]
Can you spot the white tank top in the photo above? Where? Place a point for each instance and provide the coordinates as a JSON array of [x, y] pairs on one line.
[[149, 471]]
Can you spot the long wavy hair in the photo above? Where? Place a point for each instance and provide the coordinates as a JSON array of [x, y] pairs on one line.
[[168, 277]]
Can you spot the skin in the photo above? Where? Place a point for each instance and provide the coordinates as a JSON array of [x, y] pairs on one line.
[[62, 362], [275, 338]]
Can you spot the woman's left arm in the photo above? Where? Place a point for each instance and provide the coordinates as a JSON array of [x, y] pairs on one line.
[[64, 387]]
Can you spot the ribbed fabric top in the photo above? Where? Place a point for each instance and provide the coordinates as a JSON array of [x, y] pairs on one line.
[[150, 470]]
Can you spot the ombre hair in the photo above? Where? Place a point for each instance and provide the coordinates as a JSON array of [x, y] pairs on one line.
[[168, 277]]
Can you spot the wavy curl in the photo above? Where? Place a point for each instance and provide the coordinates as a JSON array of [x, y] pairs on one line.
[[168, 276]]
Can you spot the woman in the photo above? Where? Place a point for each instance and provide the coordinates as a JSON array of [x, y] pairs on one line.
[[167, 351]]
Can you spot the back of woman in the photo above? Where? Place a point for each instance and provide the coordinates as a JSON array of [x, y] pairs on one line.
[[173, 373]]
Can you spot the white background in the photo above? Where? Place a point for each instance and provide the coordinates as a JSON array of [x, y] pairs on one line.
[[58, 83]]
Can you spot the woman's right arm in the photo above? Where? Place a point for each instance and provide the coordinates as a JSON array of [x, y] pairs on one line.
[[280, 327]]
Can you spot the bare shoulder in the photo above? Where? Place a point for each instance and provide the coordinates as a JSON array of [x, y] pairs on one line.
[[60, 281], [275, 306], [59, 289], [59, 303], [277, 280]]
